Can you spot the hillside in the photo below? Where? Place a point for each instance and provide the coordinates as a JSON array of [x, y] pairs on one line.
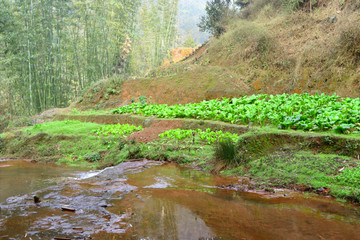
[[265, 50]]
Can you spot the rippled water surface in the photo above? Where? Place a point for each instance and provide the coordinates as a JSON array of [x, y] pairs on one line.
[[155, 200], [22, 177]]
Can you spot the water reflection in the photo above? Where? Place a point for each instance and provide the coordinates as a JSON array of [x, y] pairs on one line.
[[151, 200], [157, 218], [22, 177]]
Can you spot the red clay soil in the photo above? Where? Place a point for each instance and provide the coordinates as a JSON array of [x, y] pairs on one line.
[[151, 133]]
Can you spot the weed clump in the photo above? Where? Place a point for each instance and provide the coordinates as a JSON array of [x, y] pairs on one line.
[[226, 151], [135, 152], [92, 157]]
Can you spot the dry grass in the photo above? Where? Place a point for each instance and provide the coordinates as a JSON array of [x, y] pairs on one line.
[[266, 50], [244, 41], [349, 43], [256, 7]]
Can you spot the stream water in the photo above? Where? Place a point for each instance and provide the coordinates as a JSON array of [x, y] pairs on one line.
[[156, 200]]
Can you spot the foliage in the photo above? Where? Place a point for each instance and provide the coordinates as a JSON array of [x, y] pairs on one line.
[[298, 112], [92, 157], [216, 13], [349, 177], [208, 136], [116, 129]]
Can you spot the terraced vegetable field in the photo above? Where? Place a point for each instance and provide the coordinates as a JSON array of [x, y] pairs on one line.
[[206, 136], [298, 111]]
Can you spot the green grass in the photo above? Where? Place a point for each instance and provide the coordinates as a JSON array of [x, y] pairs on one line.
[[69, 128], [207, 136], [92, 145], [303, 168], [67, 142], [76, 112], [185, 154]]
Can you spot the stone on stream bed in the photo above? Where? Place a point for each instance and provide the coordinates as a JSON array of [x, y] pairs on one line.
[[36, 199], [68, 209]]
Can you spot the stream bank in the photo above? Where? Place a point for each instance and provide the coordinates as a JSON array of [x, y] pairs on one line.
[[312, 162]]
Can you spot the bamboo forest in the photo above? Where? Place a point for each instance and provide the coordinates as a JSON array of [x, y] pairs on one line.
[[52, 50]]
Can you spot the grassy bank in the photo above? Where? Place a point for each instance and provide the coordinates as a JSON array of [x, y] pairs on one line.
[[323, 163], [92, 145]]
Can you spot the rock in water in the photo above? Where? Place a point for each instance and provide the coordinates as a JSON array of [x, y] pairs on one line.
[[36, 200], [68, 209]]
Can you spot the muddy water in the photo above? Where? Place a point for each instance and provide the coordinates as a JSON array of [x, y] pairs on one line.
[[154, 200], [19, 177]]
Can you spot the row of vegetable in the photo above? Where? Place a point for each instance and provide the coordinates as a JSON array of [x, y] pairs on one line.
[[208, 136], [298, 111]]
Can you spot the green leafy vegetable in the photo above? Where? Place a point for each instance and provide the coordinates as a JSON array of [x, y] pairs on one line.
[[207, 136], [298, 111], [117, 129]]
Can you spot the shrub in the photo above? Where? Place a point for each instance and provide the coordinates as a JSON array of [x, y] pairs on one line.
[[143, 99], [92, 157]]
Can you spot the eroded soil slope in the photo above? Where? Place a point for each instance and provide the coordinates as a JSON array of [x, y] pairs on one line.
[[265, 50]]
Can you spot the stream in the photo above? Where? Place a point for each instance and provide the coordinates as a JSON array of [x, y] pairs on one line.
[[156, 200]]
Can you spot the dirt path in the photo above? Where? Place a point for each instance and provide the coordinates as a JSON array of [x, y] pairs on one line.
[[151, 133]]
